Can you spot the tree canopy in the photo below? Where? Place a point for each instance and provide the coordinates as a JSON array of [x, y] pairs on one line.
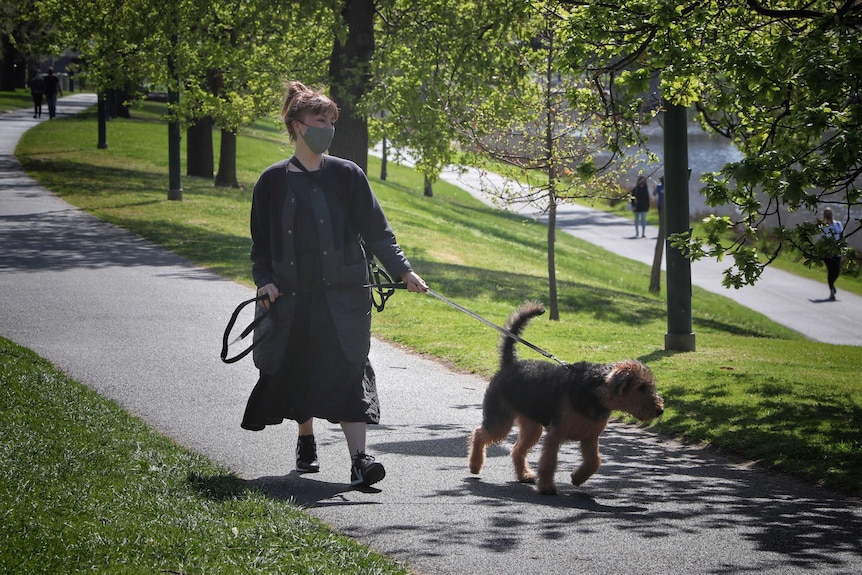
[[780, 79]]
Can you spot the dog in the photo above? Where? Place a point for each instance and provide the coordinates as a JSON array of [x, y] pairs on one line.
[[571, 402]]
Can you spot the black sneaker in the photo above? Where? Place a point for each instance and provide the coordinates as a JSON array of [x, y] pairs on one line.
[[306, 455], [365, 471]]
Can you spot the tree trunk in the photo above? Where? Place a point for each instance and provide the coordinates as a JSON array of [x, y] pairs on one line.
[[11, 72], [226, 177], [349, 76], [199, 149], [429, 189], [383, 161], [554, 314], [102, 115]]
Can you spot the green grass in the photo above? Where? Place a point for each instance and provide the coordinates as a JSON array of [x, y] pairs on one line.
[[15, 100], [753, 388], [88, 488]]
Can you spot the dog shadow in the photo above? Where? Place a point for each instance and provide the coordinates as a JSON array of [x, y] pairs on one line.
[[526, 493]]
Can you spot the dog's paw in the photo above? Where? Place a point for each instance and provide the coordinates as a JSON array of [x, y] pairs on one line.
[[550, 489], [579, 478], [527, 478]]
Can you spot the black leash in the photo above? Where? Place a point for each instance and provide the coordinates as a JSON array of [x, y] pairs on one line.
[[384, 291], [502, 330], [250, 328], [382, 287]]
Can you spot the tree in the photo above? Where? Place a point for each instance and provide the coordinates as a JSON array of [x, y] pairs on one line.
[[350, 76], [241, 54], [783, 83], [437, 59], [24, 39], [530, 126]]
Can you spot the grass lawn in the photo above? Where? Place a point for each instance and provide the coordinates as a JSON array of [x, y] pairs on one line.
[[85, 487], [18, 99], [753, 388]]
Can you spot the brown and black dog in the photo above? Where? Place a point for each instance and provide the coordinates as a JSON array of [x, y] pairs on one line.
[[572, 402]]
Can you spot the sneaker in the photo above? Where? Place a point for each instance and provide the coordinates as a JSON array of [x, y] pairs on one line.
[[365, 471], [306, 455]]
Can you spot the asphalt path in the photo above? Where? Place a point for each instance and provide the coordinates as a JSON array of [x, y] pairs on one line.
[[143, 327]]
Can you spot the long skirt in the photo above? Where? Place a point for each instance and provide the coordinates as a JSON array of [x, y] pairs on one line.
[[315, 378]]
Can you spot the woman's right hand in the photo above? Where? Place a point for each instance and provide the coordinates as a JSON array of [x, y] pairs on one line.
[[270, 290]]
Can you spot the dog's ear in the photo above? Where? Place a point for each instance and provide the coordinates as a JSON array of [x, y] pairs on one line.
[[625, 375]]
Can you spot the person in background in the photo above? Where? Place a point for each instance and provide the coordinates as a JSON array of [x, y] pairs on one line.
[[658, 192], [307, 217], [52, 90], [832, 229], [37, 90], [640, 205]]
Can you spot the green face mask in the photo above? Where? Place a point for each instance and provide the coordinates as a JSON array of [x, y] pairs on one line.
[[318, 139]]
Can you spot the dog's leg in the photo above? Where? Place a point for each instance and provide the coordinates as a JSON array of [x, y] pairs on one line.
[[591, 460], [529, 433], [548, 462], [497, 420], [479, 441]]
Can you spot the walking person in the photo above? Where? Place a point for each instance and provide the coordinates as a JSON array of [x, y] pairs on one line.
[[37, 90], [832, 229], [52, 90], [307, 217], [640, 205], [658, 192]]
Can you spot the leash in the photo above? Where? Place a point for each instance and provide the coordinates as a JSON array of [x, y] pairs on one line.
[[250, 328], [502, 330], [383, 286], [386, 289]]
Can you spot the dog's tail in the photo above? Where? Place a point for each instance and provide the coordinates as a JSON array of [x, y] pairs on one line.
[[516, 324]]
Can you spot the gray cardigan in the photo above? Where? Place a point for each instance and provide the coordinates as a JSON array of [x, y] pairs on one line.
[[346, 210]]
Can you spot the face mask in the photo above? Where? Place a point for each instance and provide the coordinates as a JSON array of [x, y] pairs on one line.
[[318, 139]]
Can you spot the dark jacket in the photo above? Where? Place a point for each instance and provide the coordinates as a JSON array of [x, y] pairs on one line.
[[640, 198], [345, 209]]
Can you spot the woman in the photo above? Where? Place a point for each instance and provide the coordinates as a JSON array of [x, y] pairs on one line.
[[832, 229], [640, 205], [308, 214]]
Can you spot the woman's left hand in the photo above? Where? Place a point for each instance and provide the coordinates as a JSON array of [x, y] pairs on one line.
[[414, 282]]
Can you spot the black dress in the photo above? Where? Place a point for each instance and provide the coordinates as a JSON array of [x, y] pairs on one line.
[[315, 378]]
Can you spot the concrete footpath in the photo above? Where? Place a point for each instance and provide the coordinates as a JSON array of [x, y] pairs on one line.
[[143, 327]]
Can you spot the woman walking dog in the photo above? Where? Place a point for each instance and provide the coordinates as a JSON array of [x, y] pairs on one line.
[[307, 217]]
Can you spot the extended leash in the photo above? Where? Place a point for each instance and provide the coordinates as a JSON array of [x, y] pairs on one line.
[[502, 330], [384, 290]]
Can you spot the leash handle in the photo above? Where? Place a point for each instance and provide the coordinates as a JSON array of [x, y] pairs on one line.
[[224, 342], [504, 331]]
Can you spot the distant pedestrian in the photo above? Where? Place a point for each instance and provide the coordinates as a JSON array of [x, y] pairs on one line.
[[52, 90], [658, 192], [640, 205], [37, 90], [834, 230]]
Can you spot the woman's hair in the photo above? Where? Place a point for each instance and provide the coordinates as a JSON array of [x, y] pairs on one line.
[[301, 101], [827, 213]]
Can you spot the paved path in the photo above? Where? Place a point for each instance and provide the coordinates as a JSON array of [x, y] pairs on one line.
[[142, 326]]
